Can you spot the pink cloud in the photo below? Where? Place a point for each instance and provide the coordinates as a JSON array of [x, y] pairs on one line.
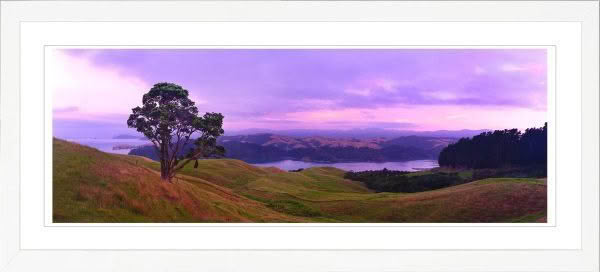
[[81, 90], [433, 117]]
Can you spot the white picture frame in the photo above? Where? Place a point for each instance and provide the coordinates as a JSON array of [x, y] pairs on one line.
[[29, 244]]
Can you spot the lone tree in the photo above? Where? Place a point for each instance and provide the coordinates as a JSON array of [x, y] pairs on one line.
[[169, 119]]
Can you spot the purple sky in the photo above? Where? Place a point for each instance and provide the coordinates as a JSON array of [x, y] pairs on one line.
[[407, 89]]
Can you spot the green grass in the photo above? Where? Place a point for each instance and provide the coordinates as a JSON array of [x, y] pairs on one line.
[[92, 186], [512, 180], [465, 174], [528, 218], [293, 207]]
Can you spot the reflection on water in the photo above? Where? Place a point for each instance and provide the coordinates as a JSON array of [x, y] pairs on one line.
[[412, 166]]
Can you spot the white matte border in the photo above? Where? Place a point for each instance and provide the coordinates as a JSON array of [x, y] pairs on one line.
[[14, 258], [555, 37]]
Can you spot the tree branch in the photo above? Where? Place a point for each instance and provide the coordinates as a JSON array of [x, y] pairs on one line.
[[192, 158]]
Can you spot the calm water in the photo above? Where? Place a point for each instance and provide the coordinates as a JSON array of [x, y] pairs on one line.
[[106, 145], [356, 166]]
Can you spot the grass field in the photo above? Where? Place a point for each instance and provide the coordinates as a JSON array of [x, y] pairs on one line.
[[92, 186]]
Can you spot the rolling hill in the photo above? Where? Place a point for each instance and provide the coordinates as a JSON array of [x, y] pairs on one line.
[[92, 186]]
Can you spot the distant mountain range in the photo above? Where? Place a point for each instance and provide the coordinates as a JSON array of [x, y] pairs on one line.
[[127, 136], [258, 148], [360, 133], [366, 133]]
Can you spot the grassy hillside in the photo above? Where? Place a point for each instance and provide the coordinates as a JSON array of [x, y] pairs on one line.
[[92, 186]]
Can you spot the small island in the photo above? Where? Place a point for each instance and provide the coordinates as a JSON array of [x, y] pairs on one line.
[[127, 136], [125, 146]]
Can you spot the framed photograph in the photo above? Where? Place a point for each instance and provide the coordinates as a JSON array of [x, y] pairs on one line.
[[299, 136]]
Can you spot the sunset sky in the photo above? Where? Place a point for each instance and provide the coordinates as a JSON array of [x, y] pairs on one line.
[[93, 91]]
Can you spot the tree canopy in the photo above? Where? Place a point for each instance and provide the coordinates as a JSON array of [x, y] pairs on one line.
[[497, 149], [170, 120]]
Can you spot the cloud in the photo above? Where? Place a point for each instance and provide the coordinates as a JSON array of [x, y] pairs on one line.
[[371, 124], [65, 110], [479, 70], [441, 95], [359, 92], [82, 90], [299, 87], [509, 67]]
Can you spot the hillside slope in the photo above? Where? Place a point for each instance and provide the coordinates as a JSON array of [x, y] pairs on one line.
[[92, 186]]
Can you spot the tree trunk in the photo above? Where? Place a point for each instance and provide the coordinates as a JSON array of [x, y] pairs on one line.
[[165, 171]]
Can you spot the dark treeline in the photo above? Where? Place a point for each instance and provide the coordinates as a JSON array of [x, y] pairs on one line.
[[411, 182], [402, 181], [501, 148]]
